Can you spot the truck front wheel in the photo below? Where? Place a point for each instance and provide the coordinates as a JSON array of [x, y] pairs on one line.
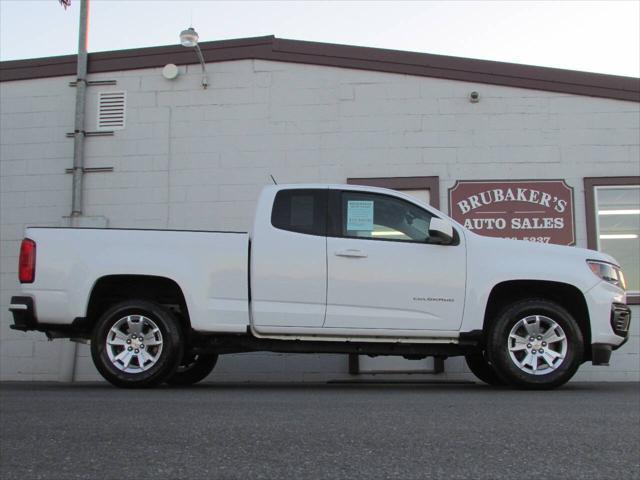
[[192, 369], [535, 344], [137, 344]]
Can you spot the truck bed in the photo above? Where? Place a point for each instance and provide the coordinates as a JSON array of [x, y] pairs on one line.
[[211, 269]]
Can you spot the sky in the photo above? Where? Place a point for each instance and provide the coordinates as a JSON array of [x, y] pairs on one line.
[[595, 36]]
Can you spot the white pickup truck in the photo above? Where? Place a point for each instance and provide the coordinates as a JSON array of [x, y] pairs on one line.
[[326, 269]]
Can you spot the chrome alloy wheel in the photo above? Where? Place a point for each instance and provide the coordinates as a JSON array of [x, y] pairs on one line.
[[134, 344], [537, 345]]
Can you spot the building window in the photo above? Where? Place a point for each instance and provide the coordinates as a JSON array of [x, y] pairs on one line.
[[613, 224]]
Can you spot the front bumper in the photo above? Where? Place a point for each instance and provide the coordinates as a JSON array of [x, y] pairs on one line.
[[620, 320]]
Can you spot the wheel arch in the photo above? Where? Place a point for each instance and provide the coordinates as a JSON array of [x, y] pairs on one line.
[[110, 289], [564, 294]]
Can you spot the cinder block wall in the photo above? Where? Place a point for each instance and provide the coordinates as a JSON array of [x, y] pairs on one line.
[[197, 159]]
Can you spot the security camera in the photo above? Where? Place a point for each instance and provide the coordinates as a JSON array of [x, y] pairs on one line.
[[474, 97]]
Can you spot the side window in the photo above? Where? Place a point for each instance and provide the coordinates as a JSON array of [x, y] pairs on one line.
[[302, 211], [381, 217]]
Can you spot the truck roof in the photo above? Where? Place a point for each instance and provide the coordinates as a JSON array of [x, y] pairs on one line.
[[339, 186], [333, 186]]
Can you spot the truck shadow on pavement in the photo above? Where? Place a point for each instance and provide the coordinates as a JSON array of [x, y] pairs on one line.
[[350, 385]]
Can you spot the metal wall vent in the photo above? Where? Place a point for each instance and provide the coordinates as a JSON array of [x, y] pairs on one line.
[[111, 110]]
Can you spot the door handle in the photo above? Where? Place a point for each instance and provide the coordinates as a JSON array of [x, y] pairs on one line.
[[351, 252]]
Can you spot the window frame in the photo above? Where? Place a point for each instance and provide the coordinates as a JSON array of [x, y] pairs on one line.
[[340, 217], [590, 184], [334, 227]]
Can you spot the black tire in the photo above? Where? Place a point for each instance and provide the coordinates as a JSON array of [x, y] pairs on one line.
[[479, 366], [515, 370], [192, 369], [160, 360]]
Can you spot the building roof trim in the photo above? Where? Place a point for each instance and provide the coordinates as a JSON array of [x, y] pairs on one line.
[[342, 56]]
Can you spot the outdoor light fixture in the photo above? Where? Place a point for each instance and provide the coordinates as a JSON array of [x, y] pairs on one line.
[[189, 38]]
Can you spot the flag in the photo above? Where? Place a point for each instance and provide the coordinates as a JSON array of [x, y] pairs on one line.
[[65, 3]]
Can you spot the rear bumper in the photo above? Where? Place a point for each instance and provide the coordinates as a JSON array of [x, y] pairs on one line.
[[24, 314], [25, 319]]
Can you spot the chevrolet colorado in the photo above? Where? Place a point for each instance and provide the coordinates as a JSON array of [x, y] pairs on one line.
[[325, 269]]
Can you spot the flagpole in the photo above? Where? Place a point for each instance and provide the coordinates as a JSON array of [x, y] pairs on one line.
[[69, 350], [79, 132]]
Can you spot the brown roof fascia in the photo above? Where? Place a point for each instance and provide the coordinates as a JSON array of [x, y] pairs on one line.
[[136, 58], [463, 69], [343, 56], [37, 68], [238, 49]]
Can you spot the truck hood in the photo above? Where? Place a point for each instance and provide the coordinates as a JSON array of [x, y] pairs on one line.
[[519, 248], [491, 261]]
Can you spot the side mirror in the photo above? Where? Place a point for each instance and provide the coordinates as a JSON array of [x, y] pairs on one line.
[[440, 231]]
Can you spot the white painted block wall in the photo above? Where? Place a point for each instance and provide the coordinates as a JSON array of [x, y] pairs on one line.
[[197, 159]]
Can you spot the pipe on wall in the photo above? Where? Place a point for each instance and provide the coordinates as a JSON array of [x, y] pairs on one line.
[[69, 349]]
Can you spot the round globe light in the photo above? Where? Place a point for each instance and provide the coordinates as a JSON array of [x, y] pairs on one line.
[[189, 37]]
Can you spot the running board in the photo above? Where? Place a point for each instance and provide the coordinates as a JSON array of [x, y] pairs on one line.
[[222, 344]]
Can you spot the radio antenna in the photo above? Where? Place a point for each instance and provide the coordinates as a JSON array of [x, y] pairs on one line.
[[274, 180]]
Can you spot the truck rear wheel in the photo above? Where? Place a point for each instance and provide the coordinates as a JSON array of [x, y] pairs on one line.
[[535, 344], [137, 344], [479, 366], [192, 369]]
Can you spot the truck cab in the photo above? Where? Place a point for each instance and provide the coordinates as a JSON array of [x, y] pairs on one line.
[[356, 262]]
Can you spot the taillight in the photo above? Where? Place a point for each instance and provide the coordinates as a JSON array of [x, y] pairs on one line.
[[27, 264]]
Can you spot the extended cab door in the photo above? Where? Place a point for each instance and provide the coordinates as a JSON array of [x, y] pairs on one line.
[[288, 267], [383, 274]]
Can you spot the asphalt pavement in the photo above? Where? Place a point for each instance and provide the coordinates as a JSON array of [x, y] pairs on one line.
[[309, 431]]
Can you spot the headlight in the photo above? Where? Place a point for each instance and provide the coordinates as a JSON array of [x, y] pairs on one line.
[[608, 272]]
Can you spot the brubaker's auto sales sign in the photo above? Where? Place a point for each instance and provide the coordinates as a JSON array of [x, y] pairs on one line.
[[534, 210]]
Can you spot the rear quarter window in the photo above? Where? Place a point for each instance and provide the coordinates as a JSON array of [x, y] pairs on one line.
[[301, 211]]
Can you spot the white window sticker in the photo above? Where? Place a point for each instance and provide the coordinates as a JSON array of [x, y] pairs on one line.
[[360, 215]]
